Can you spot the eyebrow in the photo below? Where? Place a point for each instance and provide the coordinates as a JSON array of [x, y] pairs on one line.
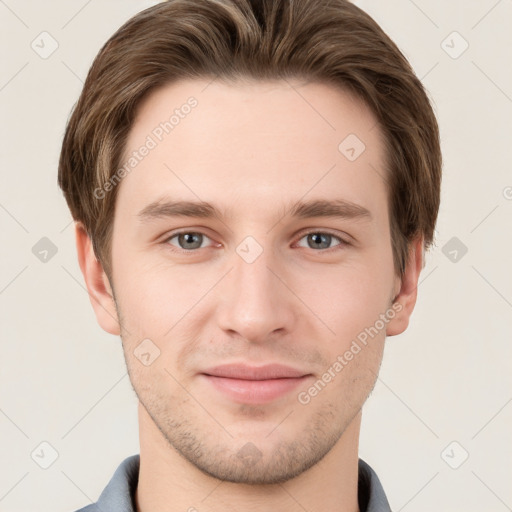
[[333, 208], [337, 208]]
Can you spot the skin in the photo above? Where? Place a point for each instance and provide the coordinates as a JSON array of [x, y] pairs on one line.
[[252, 150]]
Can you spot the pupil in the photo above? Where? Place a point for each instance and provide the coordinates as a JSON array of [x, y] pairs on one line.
[[190, 240], [320, 240]]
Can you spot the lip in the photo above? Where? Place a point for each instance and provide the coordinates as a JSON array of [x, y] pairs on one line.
[[254, 384], [246, 372]]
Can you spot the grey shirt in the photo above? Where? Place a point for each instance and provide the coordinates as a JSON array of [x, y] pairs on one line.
[[119, 495]]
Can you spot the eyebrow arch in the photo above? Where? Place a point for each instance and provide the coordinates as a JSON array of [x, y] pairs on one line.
[[162, 209], [303, 210], [332, 208]]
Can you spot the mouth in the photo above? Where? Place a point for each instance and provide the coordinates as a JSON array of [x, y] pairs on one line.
[[254, 385]]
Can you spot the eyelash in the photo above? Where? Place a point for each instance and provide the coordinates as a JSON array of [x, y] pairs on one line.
[[342, 243]]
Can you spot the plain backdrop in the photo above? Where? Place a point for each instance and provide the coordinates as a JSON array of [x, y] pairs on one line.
[[436, 428]]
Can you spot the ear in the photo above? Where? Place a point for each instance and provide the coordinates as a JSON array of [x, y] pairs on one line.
[[408, 289], [98, 285]]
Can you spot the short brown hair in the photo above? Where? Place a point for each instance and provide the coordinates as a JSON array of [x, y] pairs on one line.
[[329, 41]]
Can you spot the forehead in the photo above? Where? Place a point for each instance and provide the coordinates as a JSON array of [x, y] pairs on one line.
[[251, 142]]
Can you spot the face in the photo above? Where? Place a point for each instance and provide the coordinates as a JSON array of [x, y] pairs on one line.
[[246, 237]]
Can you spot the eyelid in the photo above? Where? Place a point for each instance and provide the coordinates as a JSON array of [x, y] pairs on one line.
[[344, 240], [174, 234]]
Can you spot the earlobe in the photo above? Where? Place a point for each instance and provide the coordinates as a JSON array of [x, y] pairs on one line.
[[406, 298], [97, 283]]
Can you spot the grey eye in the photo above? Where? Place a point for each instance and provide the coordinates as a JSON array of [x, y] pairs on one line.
[[188, 241], [319, 240]]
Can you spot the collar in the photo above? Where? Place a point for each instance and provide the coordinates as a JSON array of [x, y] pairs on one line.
[[119, 494]]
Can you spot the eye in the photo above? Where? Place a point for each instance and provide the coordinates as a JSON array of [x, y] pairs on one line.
[[188, 240], [320, 240]]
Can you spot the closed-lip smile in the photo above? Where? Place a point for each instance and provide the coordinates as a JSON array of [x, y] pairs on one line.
[[244, 383]]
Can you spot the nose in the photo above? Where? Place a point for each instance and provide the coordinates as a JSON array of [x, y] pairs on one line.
[[254, 303]]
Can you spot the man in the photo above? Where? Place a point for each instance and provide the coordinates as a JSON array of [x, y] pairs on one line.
[[254, 184]]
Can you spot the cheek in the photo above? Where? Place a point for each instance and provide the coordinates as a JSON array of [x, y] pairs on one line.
[[154, 296], [347, 299]]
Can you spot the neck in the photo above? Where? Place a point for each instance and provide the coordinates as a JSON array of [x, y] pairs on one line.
[[170, 483]]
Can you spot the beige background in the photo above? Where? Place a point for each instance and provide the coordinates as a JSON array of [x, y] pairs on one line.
[[448, 378]]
